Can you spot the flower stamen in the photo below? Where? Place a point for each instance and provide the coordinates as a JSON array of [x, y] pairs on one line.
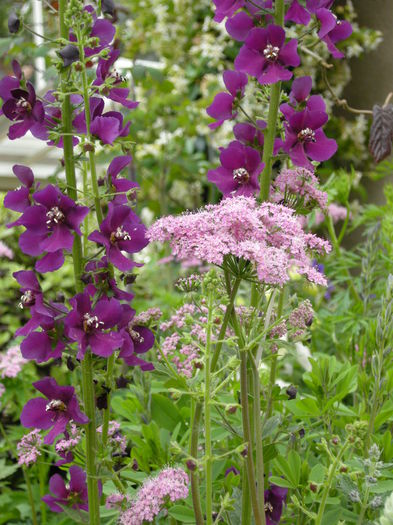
[[306, 135], [271, 52], [54, 215]]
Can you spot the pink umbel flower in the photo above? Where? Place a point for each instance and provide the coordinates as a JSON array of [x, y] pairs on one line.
[[11, 362], [299, 186], [5, 251], [116, 500], [116, 440], [336, 212], [28, 448], [170, 485], [268, 235]]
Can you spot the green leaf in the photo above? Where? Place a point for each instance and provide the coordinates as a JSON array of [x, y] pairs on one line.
[[164, 412], [281, 482], [182, 513], [317, 474], [306, 407], [7, 470]]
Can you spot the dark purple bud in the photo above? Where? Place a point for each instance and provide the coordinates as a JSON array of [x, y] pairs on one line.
[[108, 7], [335, 440], [244, 452], [231, 409], [101, 181], [313, 487], [191, 465], [88, 146], [60, 297], [102, 401], [302, 433], [129, 278], [135, 465], [13, 23], [122, 382], [291, 392], [69, 54], [70, 364], [343, 469]]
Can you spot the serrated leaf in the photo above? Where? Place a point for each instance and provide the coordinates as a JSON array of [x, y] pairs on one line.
[[381, 132]]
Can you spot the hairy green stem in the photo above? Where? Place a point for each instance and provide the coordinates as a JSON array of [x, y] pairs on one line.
[[275, 93], [207, 407], [105, 424], [87, 371], [332, 470], [195, 492], [42, 472], [246, 507]]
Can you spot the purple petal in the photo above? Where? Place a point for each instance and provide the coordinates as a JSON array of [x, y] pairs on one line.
[[322, 149], [301, 88], [276, 35], [34, 414], [235, 82], [105, 344], [249, 61], [327, 21], [239, 26], [57, 486], [289, 55], [274, 73], [106, 129], [298, 14], [20, 129], [221, 107], [24, 174], [121, 262], [118, 164], [77, 479]]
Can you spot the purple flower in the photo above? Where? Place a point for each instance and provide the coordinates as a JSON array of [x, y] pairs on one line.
[[265, 55], [105, 126], [232, 469], [105, 75], [20, 105], [121, 230], [32, 298], [239, 25], [90, 324], [56, 411], [101, 29], [226, 8], [332, 30], [102, 279], [299, 98], [19, 199], [274, 501], [224, 104], [50, 226], [39, 346], [137, 339], [314, 5], [250, 135], [120, 186], [305, 139], [239, 170], [298, 14], [72, 495]]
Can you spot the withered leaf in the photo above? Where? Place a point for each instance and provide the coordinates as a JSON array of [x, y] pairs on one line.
[[381, 132]]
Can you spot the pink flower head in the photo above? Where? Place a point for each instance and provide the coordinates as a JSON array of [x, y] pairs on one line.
[[300, 184], [28, 448], [72, 495], [55, 412], [11, 362], [239, 171], [120, 231], [89, 323], [265, 55], [170, 485], [224, 104], [268, 235]]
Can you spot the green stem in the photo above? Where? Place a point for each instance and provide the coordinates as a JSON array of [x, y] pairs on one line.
[[207, 406], [325, 494], [275, 92], [258, 436], [195, 493], [91, 444], [246, 507], [337, 249], [42, 472], [225, 322]]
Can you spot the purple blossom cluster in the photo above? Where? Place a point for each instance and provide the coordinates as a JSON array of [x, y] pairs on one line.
[[268, 56], [268, 235], [99, 318], [170, 485]]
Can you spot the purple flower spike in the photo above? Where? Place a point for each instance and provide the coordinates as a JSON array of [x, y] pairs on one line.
[[137, 339], [333, 31], [239, 170], [274, 502], [298, 14], [19, 199], [90, 325], [120, 231], [224, 104], [50, 226], [72, 495], [56, 411], [265, 55], [305, 139], [120, 186]]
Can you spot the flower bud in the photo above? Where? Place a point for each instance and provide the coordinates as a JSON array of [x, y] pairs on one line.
[[291, 392], [69, 54], [191, 465], [313, 487], [13, 23]]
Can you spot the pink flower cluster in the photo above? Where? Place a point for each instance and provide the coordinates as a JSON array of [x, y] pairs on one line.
[[28, 448], [5, 251], [116, 500], [336, 212], [11, 362], [301, 317], [299, 183], [115, 438], [170, 485], [268, 235], [64, 446], [146, 317]]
